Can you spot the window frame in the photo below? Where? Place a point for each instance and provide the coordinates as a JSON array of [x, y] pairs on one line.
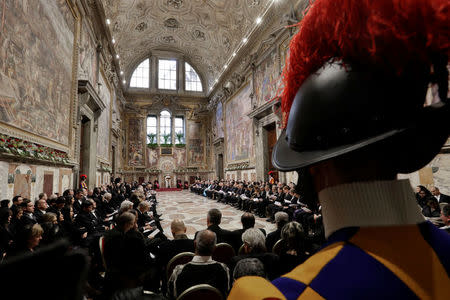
[[160, 132], [149, 75], [156, 127], [186, 81], [183, 129], [158, 60]]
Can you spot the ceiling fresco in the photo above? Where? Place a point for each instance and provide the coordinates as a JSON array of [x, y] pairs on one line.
[[206, 32]]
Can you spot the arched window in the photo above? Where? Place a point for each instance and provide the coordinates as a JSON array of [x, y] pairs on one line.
[[193, 82], [141, 75], [165, 127]]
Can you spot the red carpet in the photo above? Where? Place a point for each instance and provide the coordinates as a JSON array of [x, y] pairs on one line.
[[168, 190]]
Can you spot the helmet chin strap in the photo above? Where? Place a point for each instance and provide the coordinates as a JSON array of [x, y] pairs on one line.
[[305, 187]]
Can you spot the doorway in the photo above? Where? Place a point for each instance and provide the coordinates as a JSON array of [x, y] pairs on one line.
[[271, 140], [220, 166]]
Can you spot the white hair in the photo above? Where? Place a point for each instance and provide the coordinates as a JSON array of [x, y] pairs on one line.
[[126, 204]]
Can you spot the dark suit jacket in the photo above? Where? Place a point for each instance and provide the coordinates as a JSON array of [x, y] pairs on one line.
[[38, 215], [272, 238], [87, 220], [223, 235], [170, 248], [237, 238], [444, 198], [27, 220]]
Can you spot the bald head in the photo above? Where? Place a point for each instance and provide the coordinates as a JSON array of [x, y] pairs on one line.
[[205, 242], [177, 227]]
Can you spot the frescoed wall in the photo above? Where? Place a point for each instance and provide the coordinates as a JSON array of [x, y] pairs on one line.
[[152, 157], [267, 78], [104, 121], [135, 142], [219, 121], [239, 130], [36, 52], [195, 142], [88, 58]]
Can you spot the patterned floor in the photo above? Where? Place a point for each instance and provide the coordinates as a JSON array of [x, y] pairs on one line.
[[192, 209]]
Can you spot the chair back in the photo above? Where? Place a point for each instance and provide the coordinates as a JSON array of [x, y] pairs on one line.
[[277, 247], [201, 291], [241, 250], [101, 244], [223, 253], [179, 259]]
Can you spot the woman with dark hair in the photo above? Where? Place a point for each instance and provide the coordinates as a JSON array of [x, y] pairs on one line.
[[15, 223], [6, 237], [422, 194], [431, 209]]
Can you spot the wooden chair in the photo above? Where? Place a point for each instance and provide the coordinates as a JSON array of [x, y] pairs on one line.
[[179, 259], [201, 291], [277, 247], [223, 253]]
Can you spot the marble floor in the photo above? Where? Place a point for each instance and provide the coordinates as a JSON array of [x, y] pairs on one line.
[[192, 209]]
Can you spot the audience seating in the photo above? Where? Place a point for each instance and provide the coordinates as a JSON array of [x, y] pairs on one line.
[[179, 259], [223, 253], [241, 250], [201, 291], [277, 247]]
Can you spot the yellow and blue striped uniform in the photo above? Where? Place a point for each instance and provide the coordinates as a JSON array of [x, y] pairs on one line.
[[390, 262]]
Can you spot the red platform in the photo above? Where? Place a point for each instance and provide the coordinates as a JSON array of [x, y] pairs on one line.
[[168, 190]]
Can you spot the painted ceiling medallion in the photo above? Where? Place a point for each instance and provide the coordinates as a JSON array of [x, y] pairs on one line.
[[199, 35], [141, 26], [171, 23], [175, 3], [168, 39]]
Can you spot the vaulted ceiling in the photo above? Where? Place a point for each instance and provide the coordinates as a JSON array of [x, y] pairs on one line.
[[206, 32]]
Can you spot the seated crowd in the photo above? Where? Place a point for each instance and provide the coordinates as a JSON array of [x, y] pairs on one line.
[[117, 226]]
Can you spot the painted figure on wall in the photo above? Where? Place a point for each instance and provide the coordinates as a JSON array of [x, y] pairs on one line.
[[267, 79], [153, 157], [219, 120], [104, 128], [239, 127], [196, 145], [35, 79], [135, 144], [179, 156]]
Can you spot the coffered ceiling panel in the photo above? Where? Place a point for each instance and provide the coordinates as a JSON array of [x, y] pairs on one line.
[[207, 32]]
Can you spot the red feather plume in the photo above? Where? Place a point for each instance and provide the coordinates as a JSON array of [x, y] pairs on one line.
[[393, 35]]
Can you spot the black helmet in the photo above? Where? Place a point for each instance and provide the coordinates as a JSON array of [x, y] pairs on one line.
[[342, 108]]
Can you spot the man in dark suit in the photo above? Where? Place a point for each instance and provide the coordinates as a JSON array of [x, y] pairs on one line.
[[213, 220], [248, 221], [86, 222], [28, 217], [40, 209], [281, 218], [78, 201], [441, 198]]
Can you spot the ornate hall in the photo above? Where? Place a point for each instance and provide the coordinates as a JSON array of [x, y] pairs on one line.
[[269, 147]]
